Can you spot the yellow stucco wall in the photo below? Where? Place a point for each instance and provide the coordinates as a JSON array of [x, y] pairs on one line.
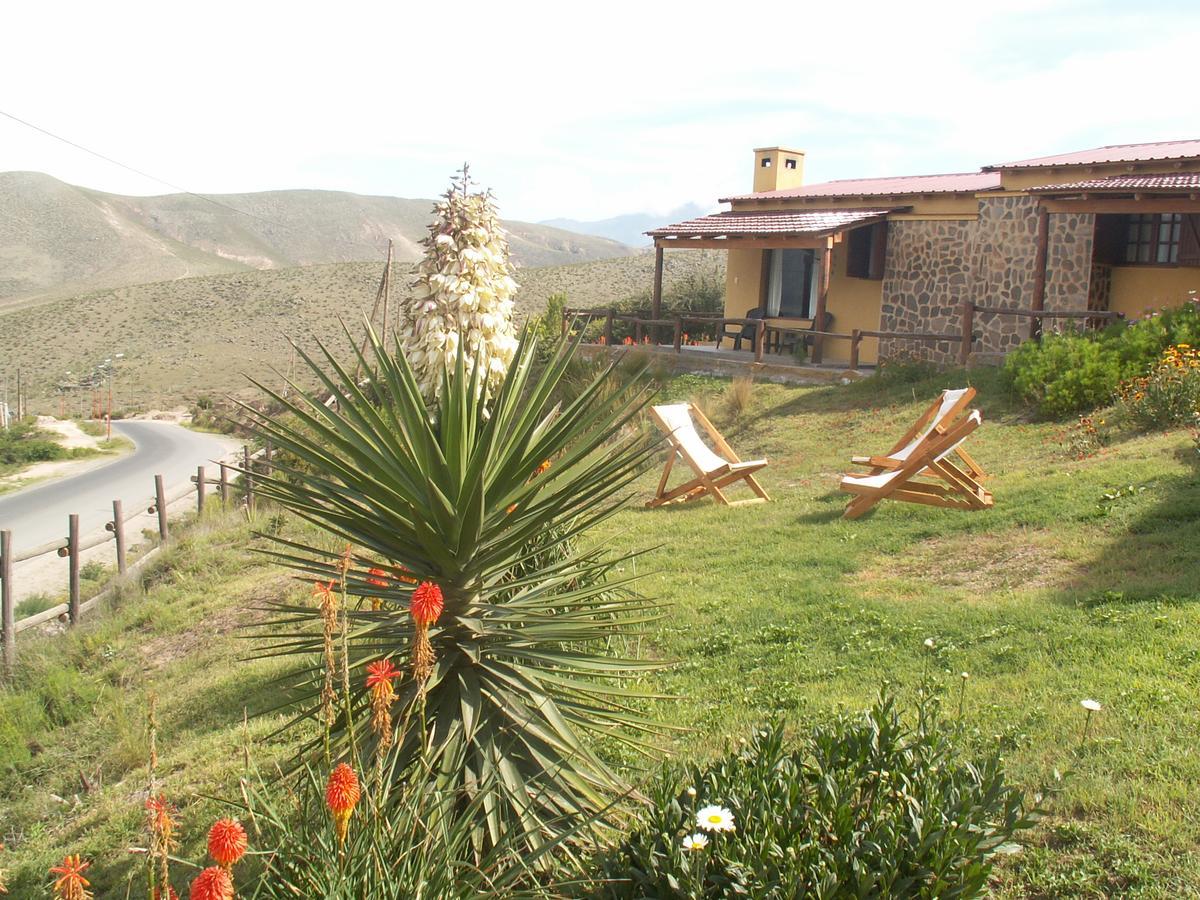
[[1138, 289], [854, 302], [743, 282]]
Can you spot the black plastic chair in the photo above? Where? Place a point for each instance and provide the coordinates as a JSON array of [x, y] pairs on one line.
[[789, 340], [741, 332]]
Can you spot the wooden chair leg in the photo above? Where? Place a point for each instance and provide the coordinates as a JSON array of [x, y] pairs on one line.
[[662, 482], [756, 487]]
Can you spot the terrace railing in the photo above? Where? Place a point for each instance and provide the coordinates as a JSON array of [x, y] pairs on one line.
[[645, 328]]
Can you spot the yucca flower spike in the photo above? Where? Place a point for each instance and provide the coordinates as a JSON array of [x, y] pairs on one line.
[[214, 883], [227, 842], [71, 883], [342, 794]]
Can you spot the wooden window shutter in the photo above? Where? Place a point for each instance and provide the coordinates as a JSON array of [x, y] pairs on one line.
[[1189, 240], [878, 250]]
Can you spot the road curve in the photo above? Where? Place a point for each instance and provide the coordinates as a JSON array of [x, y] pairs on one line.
[[39, 513]]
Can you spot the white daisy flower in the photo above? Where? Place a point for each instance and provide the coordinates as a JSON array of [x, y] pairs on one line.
[[1091, 705], [695, 842], [715, 818]]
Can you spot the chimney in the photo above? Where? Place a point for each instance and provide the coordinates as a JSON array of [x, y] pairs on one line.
[[777, 169]]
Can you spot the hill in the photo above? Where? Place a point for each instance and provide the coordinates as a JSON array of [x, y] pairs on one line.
[[57, 239], [630, 228], [194, 336]]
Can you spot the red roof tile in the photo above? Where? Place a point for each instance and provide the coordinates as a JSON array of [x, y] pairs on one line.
[[1179, 181], [812, 222], [1116, 153], [962, 182]]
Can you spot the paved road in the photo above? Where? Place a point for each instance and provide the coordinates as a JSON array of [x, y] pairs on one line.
[[39, 513]]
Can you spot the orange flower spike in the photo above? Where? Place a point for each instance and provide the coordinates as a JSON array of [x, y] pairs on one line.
[[342, 794], [325, 596], [171, 895], [161, 818], [227, 842], [214, 883], [346, 560], [379, 682], [71, 883], [376, 577], [426, 606]]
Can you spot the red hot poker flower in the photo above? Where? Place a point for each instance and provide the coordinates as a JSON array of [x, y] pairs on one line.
[[71, 883], [341, 796], [426, 606], [380, 673], [214, 883], [376, 577], [427, 603], [227, 842]]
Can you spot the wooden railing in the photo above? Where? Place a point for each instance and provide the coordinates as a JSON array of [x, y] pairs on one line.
[[645, 327], [74, 545]]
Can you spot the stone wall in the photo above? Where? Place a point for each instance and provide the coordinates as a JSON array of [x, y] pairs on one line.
[[926, 275], [932, 266]]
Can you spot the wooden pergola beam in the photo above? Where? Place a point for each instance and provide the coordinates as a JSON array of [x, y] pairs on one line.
[[740, 243]]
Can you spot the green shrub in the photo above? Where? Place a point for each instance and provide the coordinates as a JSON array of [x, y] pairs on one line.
[[32, 605], [23, 443], [863, 807], [1168, 395], [1063, 374], [92, 571], [1071, 373]]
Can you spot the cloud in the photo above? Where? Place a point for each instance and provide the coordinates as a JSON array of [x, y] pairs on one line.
[[578, 111]]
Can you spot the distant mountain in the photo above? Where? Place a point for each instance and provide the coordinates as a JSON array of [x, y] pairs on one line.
[[630, 228], [57, 239]]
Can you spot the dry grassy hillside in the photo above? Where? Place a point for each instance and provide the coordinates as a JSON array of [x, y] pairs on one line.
[[58, 240], [195, 336]]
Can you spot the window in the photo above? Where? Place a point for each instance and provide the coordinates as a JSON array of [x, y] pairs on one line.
[[766, 163], [1153, 238], [791, 283], [789, 164], [866, 248]]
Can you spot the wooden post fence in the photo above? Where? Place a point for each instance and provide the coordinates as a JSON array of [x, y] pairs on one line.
[[160, 506], [248, 478], [200, 490], [118, 530], [73, 561], [608, 326], [8, 638], [224, 484], [856, 337]]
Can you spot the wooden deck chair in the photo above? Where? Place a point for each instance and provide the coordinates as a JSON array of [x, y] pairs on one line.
[[940, 416], [945, 483], [713, 472]]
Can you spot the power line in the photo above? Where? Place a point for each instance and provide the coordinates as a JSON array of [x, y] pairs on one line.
[[136, 171]]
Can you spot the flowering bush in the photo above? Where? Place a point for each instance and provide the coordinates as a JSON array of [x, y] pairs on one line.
[[863, 807], [1071, 373], [463, 294], [1169, 394]]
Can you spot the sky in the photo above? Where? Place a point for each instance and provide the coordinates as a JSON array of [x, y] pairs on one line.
[[581, 110]]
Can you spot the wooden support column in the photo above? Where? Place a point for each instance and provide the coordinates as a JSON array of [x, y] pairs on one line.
[[855, 340], [8, 634], [656, 297], [822, 302], [678, 333], [1039, 270], [608, 326]]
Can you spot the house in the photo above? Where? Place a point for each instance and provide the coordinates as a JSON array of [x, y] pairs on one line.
[[1115, 228]]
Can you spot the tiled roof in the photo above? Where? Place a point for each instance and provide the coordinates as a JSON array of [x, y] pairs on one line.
[[741, 224], [1179, 181], [962, 182], [1115, 153]]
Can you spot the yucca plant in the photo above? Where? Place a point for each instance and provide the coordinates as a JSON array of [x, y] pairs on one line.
[[487, 496]]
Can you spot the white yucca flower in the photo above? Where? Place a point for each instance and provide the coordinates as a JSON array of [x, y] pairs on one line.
[[463, 293]]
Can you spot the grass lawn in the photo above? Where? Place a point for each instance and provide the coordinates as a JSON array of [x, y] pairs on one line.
[[1082, 582]]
